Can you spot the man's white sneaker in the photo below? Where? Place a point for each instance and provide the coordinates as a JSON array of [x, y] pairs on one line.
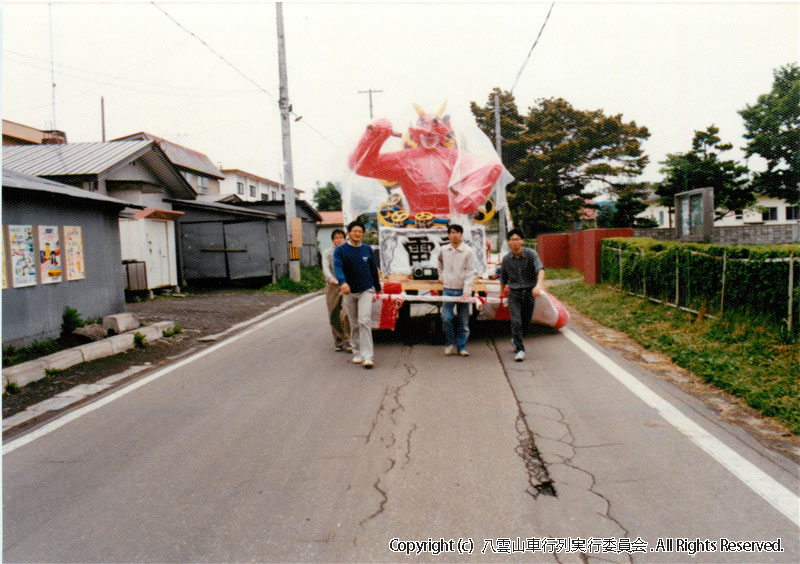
[[465, 352], [520, 356], [449, 350], [368, 363], [357, 360]]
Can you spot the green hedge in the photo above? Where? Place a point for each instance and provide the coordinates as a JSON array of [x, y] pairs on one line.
[[756, 277]]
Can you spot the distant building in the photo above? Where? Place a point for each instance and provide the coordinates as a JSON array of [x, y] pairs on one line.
[[251, 187], [18, 134], [196, 167], [331, 220], [766, 211]]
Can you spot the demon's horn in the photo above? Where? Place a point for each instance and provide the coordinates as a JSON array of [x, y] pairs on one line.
[[420, 111], [441, 110]]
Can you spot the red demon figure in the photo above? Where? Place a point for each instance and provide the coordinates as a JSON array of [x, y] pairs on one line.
[[425, 169]]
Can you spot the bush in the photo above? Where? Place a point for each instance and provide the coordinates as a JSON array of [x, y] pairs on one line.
[[748, 279], [70, 321]]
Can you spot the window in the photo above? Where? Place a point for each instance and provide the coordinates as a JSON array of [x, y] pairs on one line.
[[660, 218], [202, 184], [792, 212], [274, 195], [264, 196], [240, 188], [738, 214], [252, 191], [770, 214]]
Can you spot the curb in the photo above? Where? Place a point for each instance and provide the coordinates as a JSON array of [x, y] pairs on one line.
[[33, 370], [80, 393]]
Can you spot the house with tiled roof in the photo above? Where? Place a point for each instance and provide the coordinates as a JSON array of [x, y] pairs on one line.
[[196, 167]]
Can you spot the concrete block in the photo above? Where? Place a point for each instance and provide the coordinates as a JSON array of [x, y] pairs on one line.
[[24, 373], [152, 332], [63, 359], [164, 325], [100, 349], [121, 343], [120, 322], [94, 331]]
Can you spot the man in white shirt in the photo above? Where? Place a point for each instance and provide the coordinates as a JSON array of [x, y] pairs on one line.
[[456, 273]]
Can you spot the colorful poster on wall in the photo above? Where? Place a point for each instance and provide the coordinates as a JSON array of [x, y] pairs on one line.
[[73, 253], [50, 270], [23, 255], [3, 251]]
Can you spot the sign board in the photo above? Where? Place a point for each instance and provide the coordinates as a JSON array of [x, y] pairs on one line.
[[406, 248], [297, 232]]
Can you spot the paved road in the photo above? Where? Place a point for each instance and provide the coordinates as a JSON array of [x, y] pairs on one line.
[[272, 447]]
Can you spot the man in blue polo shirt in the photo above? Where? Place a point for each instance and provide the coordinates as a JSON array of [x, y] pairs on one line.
[[357, 273]]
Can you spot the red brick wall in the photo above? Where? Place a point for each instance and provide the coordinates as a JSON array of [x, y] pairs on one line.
[[580, 250]]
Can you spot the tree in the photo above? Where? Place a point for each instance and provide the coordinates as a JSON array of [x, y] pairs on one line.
[[773, 131], [702, 167], [328, 198], [556, 153], [623, 211]]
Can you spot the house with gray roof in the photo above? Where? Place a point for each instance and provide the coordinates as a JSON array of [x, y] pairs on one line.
[[61, 248], [196, 167], [138, 172]]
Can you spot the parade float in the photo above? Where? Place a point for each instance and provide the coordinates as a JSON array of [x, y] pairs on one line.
[[441, 170]]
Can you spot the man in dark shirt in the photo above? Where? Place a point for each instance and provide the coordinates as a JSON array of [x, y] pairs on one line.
[[522, 271]]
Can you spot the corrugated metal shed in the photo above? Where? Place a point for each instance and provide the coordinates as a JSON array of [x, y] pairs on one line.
[[70, 158], [13, 179]]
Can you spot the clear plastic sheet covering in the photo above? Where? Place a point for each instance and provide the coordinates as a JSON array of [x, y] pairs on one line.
[[433, 160]]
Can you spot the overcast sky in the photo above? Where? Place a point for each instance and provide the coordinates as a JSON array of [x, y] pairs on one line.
[[672, 67]]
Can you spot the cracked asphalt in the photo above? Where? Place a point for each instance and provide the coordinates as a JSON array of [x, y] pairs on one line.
[[271, 447]]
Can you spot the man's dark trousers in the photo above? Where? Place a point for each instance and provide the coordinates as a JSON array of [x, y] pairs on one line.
[[520, 308]]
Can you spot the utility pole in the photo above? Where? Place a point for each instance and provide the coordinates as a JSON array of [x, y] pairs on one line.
[[293, 224], [370, 91], [498, 138], [103, 117]]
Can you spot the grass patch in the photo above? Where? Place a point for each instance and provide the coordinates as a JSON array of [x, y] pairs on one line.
[[311, 280], [563, 274], [171, 332], [738, 354]]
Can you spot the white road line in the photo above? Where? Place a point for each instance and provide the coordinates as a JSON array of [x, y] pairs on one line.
[[48, 428], [756, 479]]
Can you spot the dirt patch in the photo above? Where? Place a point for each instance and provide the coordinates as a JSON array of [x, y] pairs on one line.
[[198, 314]]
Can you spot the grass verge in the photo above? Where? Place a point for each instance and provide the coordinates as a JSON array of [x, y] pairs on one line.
[[746, 358], [311, 280]]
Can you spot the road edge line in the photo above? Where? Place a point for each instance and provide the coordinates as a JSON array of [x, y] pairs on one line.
[[51, 426], [777, 495]]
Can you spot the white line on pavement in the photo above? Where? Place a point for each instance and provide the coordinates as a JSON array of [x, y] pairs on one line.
[[759, 481], [14, 444]]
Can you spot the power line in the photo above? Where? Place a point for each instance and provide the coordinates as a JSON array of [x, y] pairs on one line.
[[532, 47], [234, 67]]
